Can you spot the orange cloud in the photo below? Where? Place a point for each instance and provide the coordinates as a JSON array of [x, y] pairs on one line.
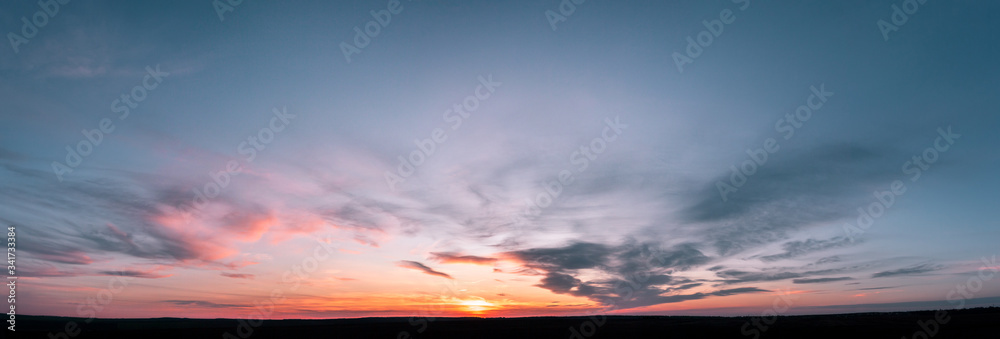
[[454, 258]]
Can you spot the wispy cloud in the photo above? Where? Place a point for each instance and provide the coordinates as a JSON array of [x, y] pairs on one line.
[[423, 268], [798, 248], [203, 303], [915, 269], [237, 275], [768, 206], [820, 280]]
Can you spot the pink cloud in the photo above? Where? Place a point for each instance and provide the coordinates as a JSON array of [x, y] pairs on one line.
[[249, 226]]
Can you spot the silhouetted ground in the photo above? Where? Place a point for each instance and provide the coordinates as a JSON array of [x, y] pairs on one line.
[[971, 323]]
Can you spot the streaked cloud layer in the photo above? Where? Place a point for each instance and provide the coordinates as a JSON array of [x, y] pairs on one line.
[[542, 172]]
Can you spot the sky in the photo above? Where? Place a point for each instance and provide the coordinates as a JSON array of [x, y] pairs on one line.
[[450, 158]]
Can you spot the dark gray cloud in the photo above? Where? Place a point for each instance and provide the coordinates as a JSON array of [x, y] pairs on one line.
[[681, 257], [733, 291], [915, 269], [738, 277], [841, 270], [876, 288], [237, 275], [642, 274], [801, 275], [820, 280], [686, 286], [566, 284], [423, 268], [575, 256], [650, 297], [136, 274], [635, 260]]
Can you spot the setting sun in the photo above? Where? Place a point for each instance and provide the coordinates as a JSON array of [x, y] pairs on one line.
[[477, 305]]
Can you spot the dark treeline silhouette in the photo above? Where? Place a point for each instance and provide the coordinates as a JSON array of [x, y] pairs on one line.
[[969, 323]]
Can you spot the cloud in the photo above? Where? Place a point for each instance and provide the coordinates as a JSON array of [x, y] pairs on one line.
[[421, 267], [736, 277], [797, 174], [686, 286], [136, 215], [798, 248], [69, 256], [6, 154], [565, 284], [840, 270], [147, 274], [733, 276], [740, 290], [915, 269], [202, 303], [365, 240], [827, 260], [36, 268], [681, 257], [579, 255], [876, 288], [237, 275], [798, 189], [820, 280], [636, 273], [455, 258], [645, 299], [248, 224], [89, 218]]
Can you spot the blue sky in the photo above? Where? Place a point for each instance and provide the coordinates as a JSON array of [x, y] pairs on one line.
[[652, 190]]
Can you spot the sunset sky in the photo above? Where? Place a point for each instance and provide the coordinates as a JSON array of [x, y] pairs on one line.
[[558, 167]]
